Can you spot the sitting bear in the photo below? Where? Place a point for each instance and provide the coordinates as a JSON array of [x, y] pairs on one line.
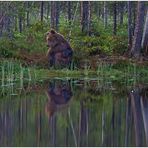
[[59, 52]]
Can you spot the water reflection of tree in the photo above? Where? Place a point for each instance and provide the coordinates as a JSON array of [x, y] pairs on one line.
[[144, 108], [97, 118], [83, 125], [138, 100], [136, 121]]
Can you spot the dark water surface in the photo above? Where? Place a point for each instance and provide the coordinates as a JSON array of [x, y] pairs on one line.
[[74, 113]]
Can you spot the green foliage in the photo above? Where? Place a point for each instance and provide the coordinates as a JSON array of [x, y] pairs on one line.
[[7, 48], [122, 64], [101, 40], [33, 39]]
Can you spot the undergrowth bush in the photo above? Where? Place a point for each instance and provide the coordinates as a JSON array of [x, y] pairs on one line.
[[101, 40], [7, 48]]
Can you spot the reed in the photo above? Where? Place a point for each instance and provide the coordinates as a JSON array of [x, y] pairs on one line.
[[12, 72]]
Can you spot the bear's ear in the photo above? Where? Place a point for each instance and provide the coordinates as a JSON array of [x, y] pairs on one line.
[[47, 33], [52, 31]]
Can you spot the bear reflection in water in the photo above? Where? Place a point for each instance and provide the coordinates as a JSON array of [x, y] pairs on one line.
[[59, 95]]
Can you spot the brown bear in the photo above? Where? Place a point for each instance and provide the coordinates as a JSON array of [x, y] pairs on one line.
[[59, 52]]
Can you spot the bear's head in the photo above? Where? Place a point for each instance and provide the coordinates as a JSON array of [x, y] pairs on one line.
[[53, 38]]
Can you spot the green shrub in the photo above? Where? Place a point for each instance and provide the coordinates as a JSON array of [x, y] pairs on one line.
[[7, 48], [101, 40]]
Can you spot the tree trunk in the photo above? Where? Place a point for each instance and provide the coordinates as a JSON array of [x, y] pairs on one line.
[[54, 21], [57, 15], [105, 14], [102, 10], [6, 20], [48, 10], [136, 47], [118, 12], [129, 26], [134, 17], [1, 24], [24, 23], [20, 24], [9, 27], [145, 35], [99, 13], [42, 11], [85, 17], [27, 14], [69, 11], [16, 23], [115, 18], [121, 13]]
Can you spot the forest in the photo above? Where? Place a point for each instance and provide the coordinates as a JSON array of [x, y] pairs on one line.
[[98, 32]]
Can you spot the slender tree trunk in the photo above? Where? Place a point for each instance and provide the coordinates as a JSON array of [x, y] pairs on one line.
[[145, 35], [16, 23], [136, 47], [27, 14], [20, 24], [115, 18], [9, 26], [134, 17], [48, 10], [24, 24], [57, 15], [1, 24], [99, 13], [1, 20], [6, 21], [118, 12], [54, 21], [129, 25], [69, 11], [105, 14], [42, 11], [102, 10], [85, 17], [121, 13]]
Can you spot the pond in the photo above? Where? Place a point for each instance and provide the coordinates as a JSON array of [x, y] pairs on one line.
[[74, 112]]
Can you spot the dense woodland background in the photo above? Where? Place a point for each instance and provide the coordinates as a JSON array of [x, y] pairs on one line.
[[92, 28], [106, 79]]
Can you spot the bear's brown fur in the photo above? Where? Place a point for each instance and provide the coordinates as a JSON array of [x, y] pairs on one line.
[[59, 50]]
